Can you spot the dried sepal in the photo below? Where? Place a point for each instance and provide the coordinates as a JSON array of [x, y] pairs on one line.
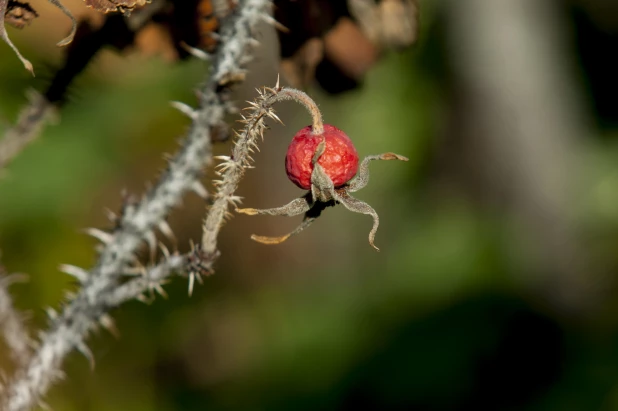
[[293, 208], [359, 206], [68, 39], [362, 178]]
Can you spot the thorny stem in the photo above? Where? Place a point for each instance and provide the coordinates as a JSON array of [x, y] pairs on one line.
[[232, 168], [81, 313], [304, 99]]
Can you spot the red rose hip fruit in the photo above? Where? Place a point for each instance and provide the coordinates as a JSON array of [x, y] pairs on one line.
[[339, 160]]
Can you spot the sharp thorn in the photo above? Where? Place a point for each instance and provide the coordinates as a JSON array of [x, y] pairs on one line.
[[79, 273], [166, 230], [199, 189], [184, 109], [100, 235], [83, 348]]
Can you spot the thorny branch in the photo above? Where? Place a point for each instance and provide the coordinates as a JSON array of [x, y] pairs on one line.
[[41, 107], [7, 5], [233, 168], [100, 287], [11, 326]]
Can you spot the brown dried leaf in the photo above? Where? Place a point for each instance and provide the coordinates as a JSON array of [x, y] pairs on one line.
[[107, 6], [19, 14]]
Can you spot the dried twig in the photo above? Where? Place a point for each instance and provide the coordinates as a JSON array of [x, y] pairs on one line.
[[11, 326], [100, 289], [519, 126]]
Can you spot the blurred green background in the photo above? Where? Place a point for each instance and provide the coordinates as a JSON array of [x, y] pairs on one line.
[[496, 281]]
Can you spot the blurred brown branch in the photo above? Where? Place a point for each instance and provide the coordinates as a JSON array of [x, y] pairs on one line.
[[31, 121]]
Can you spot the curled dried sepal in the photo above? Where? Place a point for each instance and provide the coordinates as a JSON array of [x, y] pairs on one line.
[[298, 206], [359, 206], [293, 208], [68, 39], [307, 221], [323, 194]]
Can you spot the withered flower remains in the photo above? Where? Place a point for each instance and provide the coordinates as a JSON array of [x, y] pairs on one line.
[[322, 159]]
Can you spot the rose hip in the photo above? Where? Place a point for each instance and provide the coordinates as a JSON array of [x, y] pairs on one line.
[[339, 160]]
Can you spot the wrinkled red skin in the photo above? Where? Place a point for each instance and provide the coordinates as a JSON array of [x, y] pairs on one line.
[[340, 159]]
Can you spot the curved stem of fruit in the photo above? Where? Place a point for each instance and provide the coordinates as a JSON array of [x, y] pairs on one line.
[[233, 167], [304, 99]]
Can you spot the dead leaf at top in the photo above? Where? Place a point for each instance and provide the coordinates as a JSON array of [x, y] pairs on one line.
[[19, 14], [5, 37]]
